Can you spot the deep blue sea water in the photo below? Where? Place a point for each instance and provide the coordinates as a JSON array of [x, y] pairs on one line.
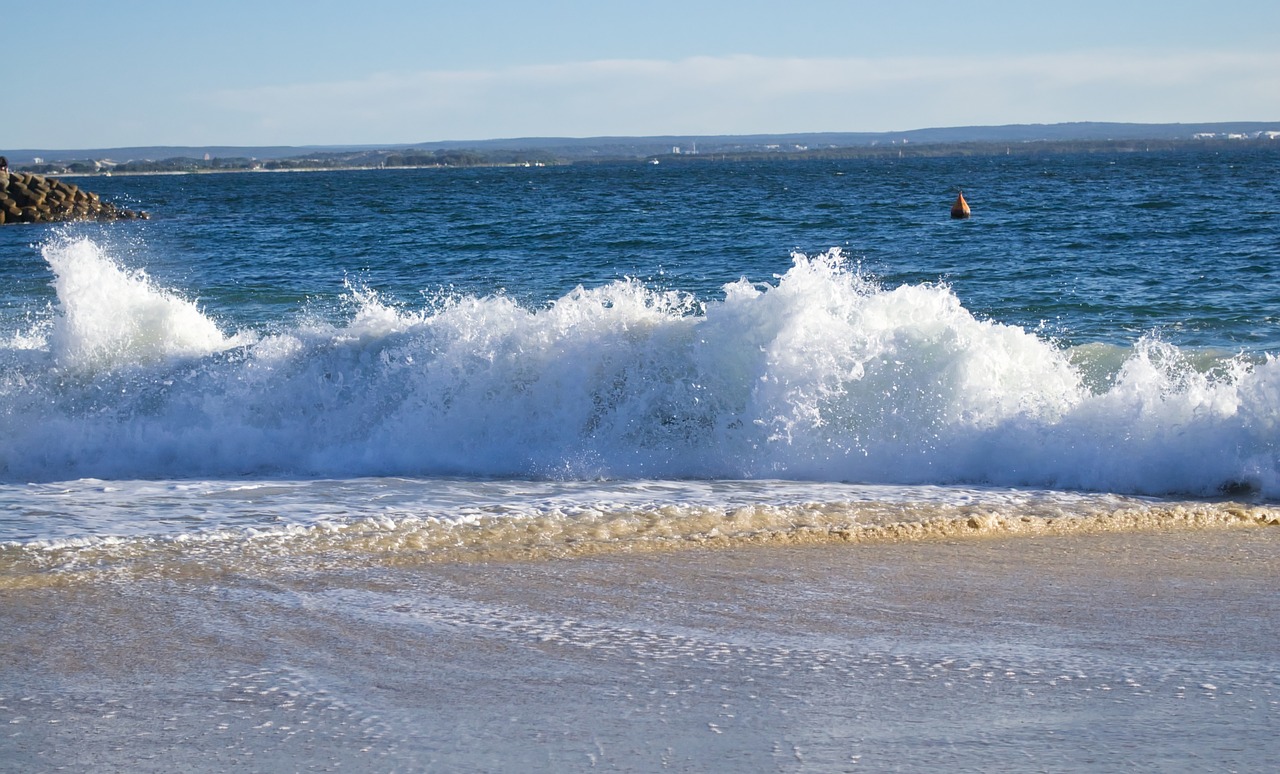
[[383, 470], [1097, 247]]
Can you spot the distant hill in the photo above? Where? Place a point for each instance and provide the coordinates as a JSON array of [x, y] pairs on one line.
[[569, 149], [1080, 131]]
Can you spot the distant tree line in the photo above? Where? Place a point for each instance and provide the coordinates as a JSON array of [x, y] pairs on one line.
[[961, 149], [467, 158], [361, 160]]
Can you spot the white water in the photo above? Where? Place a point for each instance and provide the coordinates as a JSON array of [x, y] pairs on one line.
[[818, 375]]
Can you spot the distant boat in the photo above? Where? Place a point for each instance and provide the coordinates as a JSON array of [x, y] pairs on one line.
[[960, 209]]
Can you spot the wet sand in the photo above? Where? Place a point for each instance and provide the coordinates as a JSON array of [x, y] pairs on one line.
[[1155, 651]]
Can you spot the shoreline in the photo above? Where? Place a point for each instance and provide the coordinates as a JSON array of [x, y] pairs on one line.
[[884, 151], [429, 541], [99, 175]]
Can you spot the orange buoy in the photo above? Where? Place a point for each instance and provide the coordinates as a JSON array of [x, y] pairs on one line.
[[961, 208]]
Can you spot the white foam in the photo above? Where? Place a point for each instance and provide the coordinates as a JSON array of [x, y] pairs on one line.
[[820, 374], [109, 316]]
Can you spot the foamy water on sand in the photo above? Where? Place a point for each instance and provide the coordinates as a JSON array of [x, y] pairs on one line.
[[1150, 651]]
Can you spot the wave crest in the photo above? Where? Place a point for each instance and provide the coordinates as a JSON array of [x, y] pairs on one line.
[[108, 316]]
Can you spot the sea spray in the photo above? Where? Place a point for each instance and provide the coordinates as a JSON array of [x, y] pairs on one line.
[[821, 374], [109, 316], [860, 380]]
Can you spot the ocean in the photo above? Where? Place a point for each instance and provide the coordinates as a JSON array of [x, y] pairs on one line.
[[702, 465]]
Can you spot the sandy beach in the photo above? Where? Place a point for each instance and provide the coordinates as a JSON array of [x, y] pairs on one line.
[[1152, 651]]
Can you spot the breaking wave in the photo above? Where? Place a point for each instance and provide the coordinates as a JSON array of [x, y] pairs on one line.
[[818, 374]]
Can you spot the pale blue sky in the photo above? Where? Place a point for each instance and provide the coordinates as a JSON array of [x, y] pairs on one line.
[[111, 73]]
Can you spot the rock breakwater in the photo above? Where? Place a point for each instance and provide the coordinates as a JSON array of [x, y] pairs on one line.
[[30, 198]]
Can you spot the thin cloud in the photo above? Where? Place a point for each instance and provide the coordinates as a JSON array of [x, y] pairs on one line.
[[750, 94]]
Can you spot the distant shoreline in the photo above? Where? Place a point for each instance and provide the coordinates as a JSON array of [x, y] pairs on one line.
[[474, 159], [583, 147], [177, 172]]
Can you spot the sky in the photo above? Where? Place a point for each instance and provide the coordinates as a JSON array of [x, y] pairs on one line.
[[124, 73]]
